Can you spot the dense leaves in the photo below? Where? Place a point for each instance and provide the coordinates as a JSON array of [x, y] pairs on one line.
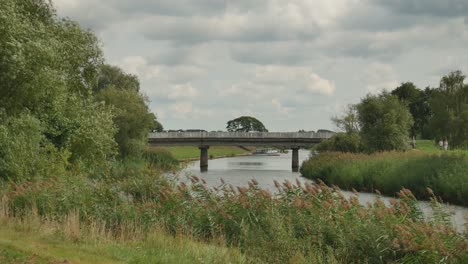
[[245, 124], [50, 71], [132, 119], [385, 123], [449, 105]]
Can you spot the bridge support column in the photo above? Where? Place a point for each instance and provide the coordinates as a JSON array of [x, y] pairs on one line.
[[295, 159], [204, 158]]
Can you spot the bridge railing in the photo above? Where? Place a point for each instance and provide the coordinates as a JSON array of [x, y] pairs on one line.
[[260, 135]]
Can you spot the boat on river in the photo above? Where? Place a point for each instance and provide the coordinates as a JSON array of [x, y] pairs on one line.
[[267, 152]]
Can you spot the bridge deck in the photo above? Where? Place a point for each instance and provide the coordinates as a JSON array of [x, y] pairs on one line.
[[281, 139]]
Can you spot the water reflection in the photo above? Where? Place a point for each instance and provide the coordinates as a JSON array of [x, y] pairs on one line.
[[238, 171]]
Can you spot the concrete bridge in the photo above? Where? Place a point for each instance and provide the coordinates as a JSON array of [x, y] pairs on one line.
[[291, 140]]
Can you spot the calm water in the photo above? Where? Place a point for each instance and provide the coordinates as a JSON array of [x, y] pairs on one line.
[[238, 171]]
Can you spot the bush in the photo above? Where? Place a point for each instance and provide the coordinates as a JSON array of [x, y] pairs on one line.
[[160, 158], [341, 142], [24, 152]]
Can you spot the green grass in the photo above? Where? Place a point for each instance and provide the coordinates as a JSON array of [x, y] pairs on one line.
[[191, 152], [35, 242], [444, 172], [427, 145]]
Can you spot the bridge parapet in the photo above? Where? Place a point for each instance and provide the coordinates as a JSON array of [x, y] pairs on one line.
[[240, 135]]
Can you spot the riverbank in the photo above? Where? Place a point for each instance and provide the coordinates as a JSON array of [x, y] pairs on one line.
[[302, 223], [188, 153], [443, 172], [35, 239]]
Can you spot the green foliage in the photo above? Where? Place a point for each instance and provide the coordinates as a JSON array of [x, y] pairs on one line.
[[385, 123], [341, 142], [24, 152], [132, 118], [417, 102], [91, 141], [114, 76], [160, 158], [245, 124], [388, 172], [349, 121], [449, 104], [48, 67]]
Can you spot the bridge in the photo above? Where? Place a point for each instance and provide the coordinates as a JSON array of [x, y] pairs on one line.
[[291, 140]]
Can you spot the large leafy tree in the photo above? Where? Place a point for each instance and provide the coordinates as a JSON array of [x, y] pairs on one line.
[[449, 104], [385, 123], [114, 76], [132, 117], [48, 68], [245, 124], [418, 103]]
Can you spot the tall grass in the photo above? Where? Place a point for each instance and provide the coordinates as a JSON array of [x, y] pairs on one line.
[[446, 173], [302, 224], [38, 239]]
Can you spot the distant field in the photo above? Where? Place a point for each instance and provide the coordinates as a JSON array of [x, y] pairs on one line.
[[191, 152]]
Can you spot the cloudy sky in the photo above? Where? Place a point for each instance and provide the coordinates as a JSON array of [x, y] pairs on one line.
[[291, 63]]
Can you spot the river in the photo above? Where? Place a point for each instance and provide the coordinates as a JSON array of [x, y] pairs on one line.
[[238, 171]]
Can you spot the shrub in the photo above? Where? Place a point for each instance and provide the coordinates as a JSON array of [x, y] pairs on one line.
[[341, 142], [24, 152], [160, 158]]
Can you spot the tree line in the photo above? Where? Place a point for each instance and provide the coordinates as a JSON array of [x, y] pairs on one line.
[[390, 120], [61, 105]]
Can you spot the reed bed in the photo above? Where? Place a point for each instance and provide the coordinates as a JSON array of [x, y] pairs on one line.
[[309, 223], [445, 173]]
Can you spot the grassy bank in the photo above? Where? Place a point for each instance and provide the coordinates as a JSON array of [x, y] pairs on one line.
[[140, 216], [39, 240], [191, 152], [444, 172]]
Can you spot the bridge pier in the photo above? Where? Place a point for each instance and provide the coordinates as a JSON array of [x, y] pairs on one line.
[[295, 159], [204, 158]]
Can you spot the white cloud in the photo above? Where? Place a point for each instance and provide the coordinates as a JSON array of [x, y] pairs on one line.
[[279, 107], [301, 78], [139, 66], [379, 76], [185, 90]]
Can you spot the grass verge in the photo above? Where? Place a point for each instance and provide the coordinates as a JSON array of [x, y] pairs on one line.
[[191, 152], [33, 240]]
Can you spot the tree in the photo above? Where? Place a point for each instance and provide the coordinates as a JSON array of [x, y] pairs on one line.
[[418, 104], [385, 123], [114, 76], [449, 105], [245, 124], [158, 127], [48, 68], [132, 118], [349, 121]]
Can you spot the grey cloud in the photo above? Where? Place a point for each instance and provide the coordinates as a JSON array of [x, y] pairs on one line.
[[289, 53], [242, 28], [443, 8]]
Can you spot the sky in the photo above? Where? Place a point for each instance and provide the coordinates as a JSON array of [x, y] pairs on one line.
[[292, 64]]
